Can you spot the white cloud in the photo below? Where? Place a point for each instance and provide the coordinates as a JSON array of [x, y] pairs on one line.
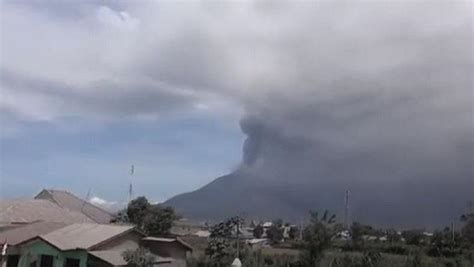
[[101, 202], [111, 206]]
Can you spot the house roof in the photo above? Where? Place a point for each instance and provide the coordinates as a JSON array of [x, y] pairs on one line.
[[31, 210], [84, 235], [168, 240], [115, 258], [69, 201], [256, 241], [20, 234]]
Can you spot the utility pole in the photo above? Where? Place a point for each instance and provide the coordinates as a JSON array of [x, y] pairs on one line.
[[301, 229], [238, 239]]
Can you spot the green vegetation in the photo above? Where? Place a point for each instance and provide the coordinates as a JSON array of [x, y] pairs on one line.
[[317, 237], [222, 248], [258, 231], [322, 244], [152, 219], [275, 233], [138, 258]]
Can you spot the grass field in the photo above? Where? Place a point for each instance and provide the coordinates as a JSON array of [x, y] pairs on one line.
[[282, 256]]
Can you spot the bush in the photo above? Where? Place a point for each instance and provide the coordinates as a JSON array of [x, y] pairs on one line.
[[396, 249], [138, 258], [413, 237]]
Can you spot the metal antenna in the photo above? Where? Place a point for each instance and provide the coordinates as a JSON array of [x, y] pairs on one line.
[[346, 210], [86, 199], [130, 189]]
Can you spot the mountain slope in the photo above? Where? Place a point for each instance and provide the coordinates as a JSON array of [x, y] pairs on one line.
[[242, 194]]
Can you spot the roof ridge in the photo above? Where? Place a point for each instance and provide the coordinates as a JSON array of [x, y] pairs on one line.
[[82, 200]]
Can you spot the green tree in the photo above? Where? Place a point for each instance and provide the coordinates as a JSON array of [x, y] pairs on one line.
[[121, 217], [155, 220], [444, 243], [413, 237], [138, 258], [159, 220], [468, 228], [278, 222], [137, 209], [357, 232], [258, 231], [317, 237], [275, 233], [392, 236], [219, 248], [293, 233]]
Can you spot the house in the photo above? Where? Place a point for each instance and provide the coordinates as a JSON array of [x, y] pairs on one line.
[[246, 233], [256, 243], [202, 233], [173, 248], [71, 202], [186, 228], [69, 246], [88, 244], [12, 237], [24, 211], [343, 235], [25, 232]]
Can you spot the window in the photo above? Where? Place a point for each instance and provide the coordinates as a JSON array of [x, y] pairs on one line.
[[72, 262], [46, 261], [12, 260]]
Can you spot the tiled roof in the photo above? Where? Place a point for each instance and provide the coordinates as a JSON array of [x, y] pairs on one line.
[[32, 210], [70, 201], [26, 232], [84, 235]]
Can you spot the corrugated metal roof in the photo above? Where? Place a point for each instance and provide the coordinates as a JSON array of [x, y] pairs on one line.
[[84, 235], [167, 240], [115, 257], [26, 232], [69, 201], [159, 239], [31, 210]]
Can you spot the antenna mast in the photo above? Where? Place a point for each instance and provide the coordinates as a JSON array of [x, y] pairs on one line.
[[86, 199], [130, 188], [346, 210]]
